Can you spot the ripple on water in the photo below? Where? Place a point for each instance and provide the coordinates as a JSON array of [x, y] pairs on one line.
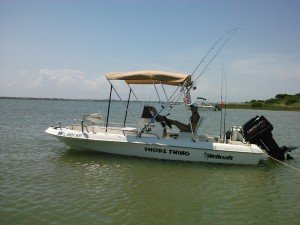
[[44, 183]]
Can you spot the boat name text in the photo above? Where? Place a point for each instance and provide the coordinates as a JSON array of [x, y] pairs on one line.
[[167, 151]]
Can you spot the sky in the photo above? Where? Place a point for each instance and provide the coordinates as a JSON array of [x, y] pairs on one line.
[[63, 49]]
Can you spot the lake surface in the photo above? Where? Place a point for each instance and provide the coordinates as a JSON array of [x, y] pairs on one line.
[[42, 182]]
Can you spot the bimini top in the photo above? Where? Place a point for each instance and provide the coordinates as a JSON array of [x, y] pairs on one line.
[[150, 77]]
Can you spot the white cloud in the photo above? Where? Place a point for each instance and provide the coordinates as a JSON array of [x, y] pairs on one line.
[[66, 83], [268, 66], [23, 78], [67, 79], [257, 77]]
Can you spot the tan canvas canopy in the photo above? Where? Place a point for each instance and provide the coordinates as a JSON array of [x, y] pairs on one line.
[[150, 77]]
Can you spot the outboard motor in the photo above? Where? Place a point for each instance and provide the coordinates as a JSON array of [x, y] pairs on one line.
[[258, 131]]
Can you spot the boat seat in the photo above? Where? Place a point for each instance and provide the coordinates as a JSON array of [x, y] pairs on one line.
[[192, 135]]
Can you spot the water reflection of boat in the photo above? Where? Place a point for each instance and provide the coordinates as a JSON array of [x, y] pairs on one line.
[[149, 137]]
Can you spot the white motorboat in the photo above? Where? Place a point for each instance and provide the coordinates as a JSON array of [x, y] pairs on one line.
[[149, 138], [203, 105]]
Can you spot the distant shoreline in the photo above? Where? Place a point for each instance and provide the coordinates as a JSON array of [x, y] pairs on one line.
[[281, 102], [62, 99], [52, 99], [263, 107], [241, 105]]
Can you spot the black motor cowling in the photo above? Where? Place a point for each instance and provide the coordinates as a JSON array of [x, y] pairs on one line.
[[258, 130]]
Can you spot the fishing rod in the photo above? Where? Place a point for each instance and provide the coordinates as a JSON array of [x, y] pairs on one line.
[[229, 33], [177, 97], [203, 59]]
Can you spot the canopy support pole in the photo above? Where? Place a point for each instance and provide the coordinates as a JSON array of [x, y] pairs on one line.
[[164, 92], [108, 109], [124, 104], [127, 107], [135, 96], [168, 104], [158, 95]]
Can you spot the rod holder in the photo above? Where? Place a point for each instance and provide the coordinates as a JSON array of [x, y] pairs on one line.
[[82, 128]]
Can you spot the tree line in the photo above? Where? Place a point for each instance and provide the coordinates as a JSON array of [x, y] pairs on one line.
[[282, 99]]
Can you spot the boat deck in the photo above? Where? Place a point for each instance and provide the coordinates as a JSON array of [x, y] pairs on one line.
[[102, 129], [132, 131]]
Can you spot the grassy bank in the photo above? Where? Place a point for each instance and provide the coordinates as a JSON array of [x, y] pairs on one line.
[[281, 102], [263, 107]]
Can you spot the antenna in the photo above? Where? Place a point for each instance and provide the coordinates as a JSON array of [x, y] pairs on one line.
[[225, 101], [221, 102]]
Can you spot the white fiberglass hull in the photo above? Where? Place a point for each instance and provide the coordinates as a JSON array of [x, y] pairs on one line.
[[206, 107], [152, 147]]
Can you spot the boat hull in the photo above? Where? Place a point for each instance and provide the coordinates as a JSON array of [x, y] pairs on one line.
[[168, 149], [208, 108]]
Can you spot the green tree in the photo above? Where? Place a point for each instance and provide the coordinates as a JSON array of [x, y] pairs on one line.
[[281, 96], [256, 104], [290, 101]]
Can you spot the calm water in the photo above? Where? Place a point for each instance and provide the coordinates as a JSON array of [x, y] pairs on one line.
[[42, 182]]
